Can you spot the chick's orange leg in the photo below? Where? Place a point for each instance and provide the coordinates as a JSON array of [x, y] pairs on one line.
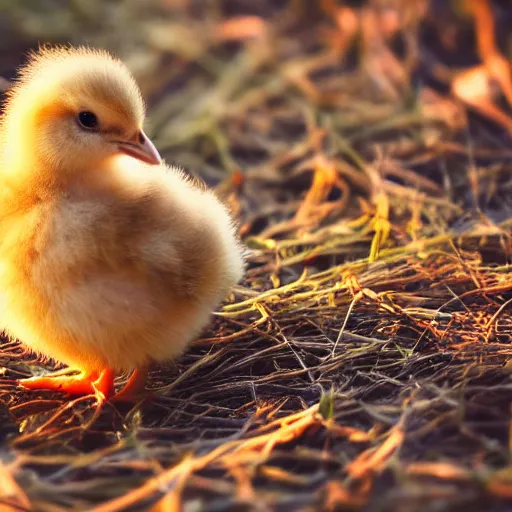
[[85, 383], [134, 389]]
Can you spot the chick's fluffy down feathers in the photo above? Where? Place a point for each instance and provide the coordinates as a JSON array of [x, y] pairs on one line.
[[119, 276]]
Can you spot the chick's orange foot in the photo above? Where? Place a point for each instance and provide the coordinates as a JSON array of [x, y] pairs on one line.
[[134, 389], [82, 384]]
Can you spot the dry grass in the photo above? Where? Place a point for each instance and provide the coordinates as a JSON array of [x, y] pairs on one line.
[[364, 361]]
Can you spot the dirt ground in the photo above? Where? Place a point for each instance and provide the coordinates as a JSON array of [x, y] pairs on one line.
[[362, 364]]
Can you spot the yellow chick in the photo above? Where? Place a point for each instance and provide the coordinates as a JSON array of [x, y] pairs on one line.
[[109, 259]]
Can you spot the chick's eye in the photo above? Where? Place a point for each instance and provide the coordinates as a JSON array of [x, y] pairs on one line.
[[88, 120]]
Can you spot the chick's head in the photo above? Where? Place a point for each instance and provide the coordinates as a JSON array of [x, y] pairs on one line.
[[73, 109]]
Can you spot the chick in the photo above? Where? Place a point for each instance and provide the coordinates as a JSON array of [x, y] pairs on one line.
[[109, 259]]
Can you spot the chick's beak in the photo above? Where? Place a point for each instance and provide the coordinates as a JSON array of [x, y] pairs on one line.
[[141, 148]]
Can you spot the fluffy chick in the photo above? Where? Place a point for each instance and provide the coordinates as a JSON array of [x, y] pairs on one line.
[[109, 259]]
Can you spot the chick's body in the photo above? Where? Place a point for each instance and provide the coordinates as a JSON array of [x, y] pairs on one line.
[[112, 264], [118, 280]]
